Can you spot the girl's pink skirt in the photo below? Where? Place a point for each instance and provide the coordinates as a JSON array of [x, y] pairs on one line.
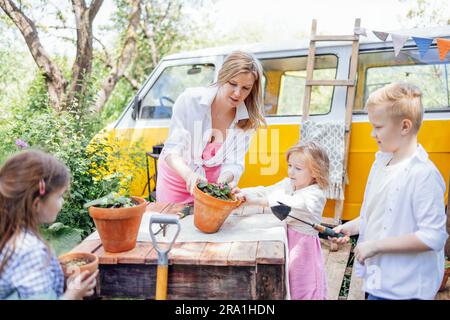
[[307, 280], [171, 188]]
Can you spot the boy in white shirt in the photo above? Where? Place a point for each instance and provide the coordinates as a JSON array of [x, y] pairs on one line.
[[400, 251]]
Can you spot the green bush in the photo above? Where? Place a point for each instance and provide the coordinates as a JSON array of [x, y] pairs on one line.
[[66, 136]]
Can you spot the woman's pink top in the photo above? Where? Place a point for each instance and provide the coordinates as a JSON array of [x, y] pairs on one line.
[[170, 186]]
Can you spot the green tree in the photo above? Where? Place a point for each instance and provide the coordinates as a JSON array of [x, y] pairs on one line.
[[153, 21], [425, 13]]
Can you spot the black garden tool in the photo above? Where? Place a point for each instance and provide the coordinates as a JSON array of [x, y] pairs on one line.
[[282, 211]]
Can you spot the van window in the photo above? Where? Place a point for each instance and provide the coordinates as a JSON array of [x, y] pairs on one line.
[[158, 102], [284, 85], [430, 74]]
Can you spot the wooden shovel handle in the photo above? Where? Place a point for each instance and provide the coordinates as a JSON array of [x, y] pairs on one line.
[[161, 282]]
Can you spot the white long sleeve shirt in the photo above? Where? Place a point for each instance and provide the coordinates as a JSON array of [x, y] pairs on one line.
[[191, 127], [414, 205], [307, 203], [377, 199]]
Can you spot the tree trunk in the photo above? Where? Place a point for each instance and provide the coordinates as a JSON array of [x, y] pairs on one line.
[[125, 58], [53, 75], [82, 67]]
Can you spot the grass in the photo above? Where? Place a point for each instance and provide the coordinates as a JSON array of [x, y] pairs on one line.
[[343, 293]]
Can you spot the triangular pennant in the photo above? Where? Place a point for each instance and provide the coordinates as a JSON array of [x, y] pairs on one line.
[[398, 41], [423, 44], [444, 47], [360, 32], [381, 35]]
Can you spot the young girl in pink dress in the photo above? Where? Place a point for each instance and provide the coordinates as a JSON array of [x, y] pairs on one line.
[[304, 191]]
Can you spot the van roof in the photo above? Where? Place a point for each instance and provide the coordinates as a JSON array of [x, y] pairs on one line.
[[303, 43]]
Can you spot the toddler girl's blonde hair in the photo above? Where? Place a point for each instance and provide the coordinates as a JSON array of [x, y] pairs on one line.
[[402, 100], [316, 160]]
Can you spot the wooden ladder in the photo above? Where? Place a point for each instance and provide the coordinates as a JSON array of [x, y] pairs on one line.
[[350, 83]]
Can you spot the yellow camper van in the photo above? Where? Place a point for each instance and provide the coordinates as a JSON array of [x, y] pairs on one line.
[[146, 118]]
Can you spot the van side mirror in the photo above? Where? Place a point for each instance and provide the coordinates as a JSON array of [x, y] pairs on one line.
[[136, 107]]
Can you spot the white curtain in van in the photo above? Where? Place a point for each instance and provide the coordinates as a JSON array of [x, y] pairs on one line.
[[330, 135]]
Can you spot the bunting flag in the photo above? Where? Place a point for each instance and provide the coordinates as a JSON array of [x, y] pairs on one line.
[[381, 35], [443, 46], [398, 41], [423, 44]]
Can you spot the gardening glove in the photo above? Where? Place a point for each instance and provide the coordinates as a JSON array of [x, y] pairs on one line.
[[192, 180], [251, 198], [226, 177]]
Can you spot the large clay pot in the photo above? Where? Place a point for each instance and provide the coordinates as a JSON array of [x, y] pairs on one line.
[[209, 212], [118, 227]]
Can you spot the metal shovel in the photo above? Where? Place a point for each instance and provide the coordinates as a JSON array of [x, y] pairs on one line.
[[162, 270], [282, 212]]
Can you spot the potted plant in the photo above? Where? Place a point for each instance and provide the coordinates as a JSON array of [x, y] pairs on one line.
[[213, 203], [78, 262], [117, 219], [446, 274]]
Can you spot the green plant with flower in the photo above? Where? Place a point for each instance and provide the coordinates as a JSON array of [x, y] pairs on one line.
[[220, 191]]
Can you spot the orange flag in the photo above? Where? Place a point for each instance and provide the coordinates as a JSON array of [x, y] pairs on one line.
[[444, 47]]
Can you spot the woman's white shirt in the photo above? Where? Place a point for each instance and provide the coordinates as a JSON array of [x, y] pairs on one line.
[[191, 128]]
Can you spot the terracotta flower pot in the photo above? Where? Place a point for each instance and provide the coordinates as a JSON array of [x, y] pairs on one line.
[[209, 212], [70, 268], [445, 279], [118, 227]]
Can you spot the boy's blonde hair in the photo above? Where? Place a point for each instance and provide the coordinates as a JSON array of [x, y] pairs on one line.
[[316, 160], [402, 100]]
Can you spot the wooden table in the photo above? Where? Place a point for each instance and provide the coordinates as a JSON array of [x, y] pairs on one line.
[[197, 270]]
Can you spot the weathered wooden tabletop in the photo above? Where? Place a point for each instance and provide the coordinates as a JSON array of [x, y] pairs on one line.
[[198, 270]]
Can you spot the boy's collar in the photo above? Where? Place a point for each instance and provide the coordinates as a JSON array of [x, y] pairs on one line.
[[420, 154]]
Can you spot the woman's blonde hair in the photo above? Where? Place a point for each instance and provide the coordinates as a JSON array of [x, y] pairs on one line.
[[242, 62], [402, 100], [316, 160]]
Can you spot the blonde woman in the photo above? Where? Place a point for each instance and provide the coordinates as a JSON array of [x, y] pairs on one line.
[[210, 130], [304, 191]]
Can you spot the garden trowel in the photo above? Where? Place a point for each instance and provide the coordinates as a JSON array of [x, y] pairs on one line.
[[282, 211], [162, 270]]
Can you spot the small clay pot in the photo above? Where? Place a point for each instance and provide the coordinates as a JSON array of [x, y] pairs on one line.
[[91, 265], [209, 212], [118, 227]]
